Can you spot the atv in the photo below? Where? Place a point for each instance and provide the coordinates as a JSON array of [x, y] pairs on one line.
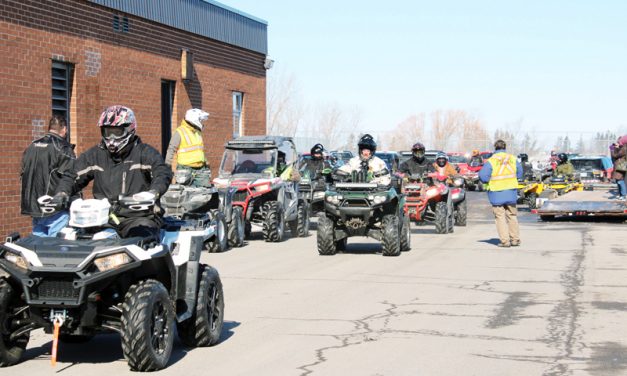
[[471, 177], [89, 281], [356, 208], [311, 190], [208, 205], [249, 165], [429, 198], [528, 192]]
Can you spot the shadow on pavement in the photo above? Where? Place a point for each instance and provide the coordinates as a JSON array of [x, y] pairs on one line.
[[227, 330], [493, 241], [362, 248]]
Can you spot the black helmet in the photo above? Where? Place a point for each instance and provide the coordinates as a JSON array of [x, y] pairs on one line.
[[316, 149], [417, 146], [563, 158], [523, 157], [367, 142]]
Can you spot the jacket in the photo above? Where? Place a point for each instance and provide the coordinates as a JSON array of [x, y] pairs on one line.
[[498, 198], [565, 169], [375, 167], [413, 167], [44, 163], [618, 152], [313, 167], [188, 145], [448, 170], [137, 168]]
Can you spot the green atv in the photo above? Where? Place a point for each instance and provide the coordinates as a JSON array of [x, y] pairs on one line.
[[353, 208]]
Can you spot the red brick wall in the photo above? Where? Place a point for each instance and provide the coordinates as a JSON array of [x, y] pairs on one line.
[[109, 72]]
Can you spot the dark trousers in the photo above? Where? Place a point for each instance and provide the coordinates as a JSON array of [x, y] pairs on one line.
[[144, 227]]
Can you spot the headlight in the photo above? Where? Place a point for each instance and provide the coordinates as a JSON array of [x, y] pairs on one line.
[[458, 182], [318, 194], [16, 260], [431, 192], [334, 199], [380, 199], [262, 187], [113, 261]]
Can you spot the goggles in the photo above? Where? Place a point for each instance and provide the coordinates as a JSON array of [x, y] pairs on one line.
[[113, 133]]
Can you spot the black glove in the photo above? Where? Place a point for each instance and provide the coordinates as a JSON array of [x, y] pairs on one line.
[[58, 201]]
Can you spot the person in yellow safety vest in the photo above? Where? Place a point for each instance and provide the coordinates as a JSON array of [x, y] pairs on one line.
[[502, 171], [284, 171], [187, 144]]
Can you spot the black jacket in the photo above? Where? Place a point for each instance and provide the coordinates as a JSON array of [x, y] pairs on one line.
[[413, 167], [44, 163], [314, 167], [138, 168]]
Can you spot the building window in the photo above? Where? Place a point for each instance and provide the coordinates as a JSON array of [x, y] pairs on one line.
[[62, 90], [238, 107]]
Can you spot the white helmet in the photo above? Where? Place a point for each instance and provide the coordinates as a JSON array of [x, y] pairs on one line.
[[196, 116]]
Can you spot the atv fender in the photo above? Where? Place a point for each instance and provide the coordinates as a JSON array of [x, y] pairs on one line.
[[187, 281]]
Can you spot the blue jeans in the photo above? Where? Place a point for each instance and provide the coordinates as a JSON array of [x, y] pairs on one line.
[[50, 226], [622, 188]]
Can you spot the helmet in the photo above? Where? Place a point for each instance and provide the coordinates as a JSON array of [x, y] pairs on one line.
[[441, 159], [117, 126], [417, 146], [195, 117], [563, 158], [475, 153], [523, 157], [553, 153], [316, 149], [367, 142]]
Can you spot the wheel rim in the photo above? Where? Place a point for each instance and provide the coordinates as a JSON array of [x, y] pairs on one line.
[[159, 328], [213, 308]]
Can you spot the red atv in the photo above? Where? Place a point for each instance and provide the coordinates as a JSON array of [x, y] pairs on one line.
[[429, 198]]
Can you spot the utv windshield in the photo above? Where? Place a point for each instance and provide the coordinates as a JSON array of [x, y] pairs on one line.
[[247, 161], [587, 164]]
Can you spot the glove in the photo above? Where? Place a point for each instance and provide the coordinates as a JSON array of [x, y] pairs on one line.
[[150, 195]]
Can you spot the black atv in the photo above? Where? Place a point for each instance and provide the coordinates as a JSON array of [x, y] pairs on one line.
[[207, 205], [356, 208], [311, 190], [89, 281]]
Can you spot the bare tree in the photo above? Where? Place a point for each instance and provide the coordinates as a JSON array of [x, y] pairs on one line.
[[285, 112], [406, 133]]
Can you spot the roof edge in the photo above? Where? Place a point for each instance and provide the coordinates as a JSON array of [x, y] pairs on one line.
[[236, 11]]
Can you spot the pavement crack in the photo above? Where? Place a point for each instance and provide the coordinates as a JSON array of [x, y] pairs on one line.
[[563, 321]]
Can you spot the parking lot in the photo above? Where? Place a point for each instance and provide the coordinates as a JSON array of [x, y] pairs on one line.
[[454, 305]]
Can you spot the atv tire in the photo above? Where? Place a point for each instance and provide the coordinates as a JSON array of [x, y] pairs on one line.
[[273, 222], [390, 241], [205, 325], [147, 326], [405, 234], [327, 245], [10, 350], [302, 222], [441, 218], [531, 200], [248, 229], [461, 213], [236, 228], [219, 242]]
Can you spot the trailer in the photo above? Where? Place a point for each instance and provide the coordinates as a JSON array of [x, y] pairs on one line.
[[595, 203]]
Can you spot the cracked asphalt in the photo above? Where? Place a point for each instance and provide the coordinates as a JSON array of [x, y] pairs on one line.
[[453, 305]]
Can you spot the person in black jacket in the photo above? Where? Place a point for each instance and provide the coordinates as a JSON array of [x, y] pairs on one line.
[[417, 164], [44, 163], [316, 164], [121, 165]]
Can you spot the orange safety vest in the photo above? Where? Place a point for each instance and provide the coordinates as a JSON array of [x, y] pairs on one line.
[[191, 149], [503, 172]]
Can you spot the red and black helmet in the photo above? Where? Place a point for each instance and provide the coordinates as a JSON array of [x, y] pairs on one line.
[[117, 126]]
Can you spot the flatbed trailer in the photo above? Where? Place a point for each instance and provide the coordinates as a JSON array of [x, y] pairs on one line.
[[594, 203]]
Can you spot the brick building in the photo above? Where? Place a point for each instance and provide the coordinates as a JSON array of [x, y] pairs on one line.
[[159, 57]]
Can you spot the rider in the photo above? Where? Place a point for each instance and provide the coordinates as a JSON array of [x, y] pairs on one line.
[[442, 167], [285, 171], [417, 164], [527, 169], [316, 165], [564, 167], [475, 159], [120, 165], [375, 167], [187, 144]]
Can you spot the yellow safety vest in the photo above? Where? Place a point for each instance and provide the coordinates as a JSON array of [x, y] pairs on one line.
[[191, 149], [503, 172]]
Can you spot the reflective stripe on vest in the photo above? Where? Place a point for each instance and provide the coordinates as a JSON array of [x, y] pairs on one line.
[[191, 150], [503, 172]]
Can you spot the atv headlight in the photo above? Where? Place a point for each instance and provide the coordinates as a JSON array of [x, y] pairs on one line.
[[334, 199], [113, 261], [16, 260], [458, 182], [318, 194], [378, 199], [432, 192], [262, 187]]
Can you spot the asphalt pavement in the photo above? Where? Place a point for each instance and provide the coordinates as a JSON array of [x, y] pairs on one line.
[[455, 304]]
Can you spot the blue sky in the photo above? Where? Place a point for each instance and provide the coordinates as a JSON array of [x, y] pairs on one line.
[[558, 65]]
